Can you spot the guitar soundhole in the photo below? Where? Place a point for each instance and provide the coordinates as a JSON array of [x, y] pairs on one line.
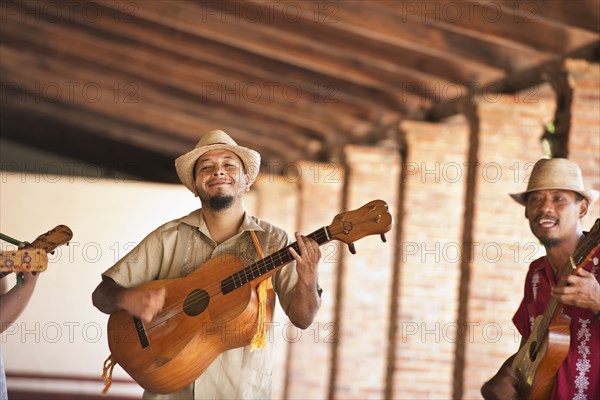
[[195, 302], [533, 351]]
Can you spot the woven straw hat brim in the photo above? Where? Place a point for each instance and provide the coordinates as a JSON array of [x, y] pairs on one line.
[[556, 174], [184, 165], [591, 195]]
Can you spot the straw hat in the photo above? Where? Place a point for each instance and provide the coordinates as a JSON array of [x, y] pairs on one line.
[[556, 173], [216, 140]]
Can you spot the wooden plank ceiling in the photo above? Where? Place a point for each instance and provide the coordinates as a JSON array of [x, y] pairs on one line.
[[131, 85]]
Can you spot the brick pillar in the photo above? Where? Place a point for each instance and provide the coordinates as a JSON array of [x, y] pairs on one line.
[[310, 351], [436, 176], [276, 201], [510, 127], [372, 173], [584, 135]]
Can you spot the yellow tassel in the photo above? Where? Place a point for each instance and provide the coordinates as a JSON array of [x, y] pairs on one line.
[[107, 371], [259, 341]]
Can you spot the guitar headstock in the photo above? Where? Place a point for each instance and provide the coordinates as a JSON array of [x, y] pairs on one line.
[[371, 219], [587, 248], [26, 260], [50, 240], [594, 233]]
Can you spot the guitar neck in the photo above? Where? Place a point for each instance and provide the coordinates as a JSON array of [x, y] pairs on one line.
[[270, 263]]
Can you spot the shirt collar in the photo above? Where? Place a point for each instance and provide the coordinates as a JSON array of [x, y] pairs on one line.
[[542, 264], [196, 220], [544, 259]]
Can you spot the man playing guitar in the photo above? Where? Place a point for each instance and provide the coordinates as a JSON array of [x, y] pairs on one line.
[[219, 172], [555, 203]]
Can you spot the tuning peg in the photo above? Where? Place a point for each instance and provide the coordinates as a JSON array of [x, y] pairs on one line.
[[383, 239], [351, 248]]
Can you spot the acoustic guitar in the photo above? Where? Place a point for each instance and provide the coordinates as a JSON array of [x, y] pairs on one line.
[[537, 362], [33, 257], [214, 309]]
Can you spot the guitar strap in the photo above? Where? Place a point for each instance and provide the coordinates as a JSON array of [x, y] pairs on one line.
[[259, 340]]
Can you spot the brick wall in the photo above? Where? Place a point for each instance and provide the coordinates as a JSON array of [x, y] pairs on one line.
[[276, 201], [430, 258], [510, 128], [358, 288], [311, 350], [372, 173], [584, 135]]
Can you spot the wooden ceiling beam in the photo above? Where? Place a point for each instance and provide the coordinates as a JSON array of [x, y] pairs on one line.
[[583, 14], [525, 81], [171, 104], [376, 33], [80, 126], [82, 136], [323, 118], [332, 90], [499, 23], [280, 46], [158, 117], [480, 58]]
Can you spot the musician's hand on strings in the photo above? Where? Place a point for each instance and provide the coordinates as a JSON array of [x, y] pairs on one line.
[[503, 386], [143, 303], [306, 300], [583, 290], [307, 261]]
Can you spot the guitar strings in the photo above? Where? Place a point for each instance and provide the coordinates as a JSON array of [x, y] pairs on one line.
[[210, 291], [283, 255], [249, 272], [321, 235], [252, 270]]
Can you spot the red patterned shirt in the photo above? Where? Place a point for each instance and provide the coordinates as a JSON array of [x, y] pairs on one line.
[[579, 376]]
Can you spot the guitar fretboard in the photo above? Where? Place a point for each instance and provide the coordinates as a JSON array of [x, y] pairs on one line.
[[269, 263]]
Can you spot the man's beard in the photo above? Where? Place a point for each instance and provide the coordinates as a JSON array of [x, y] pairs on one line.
[[220, 202], [549, 242]]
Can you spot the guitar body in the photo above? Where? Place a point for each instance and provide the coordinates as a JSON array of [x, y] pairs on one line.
[[536, 364], [191, 331]]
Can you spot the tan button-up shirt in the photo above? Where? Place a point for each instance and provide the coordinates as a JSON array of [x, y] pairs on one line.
[[179, 247]]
